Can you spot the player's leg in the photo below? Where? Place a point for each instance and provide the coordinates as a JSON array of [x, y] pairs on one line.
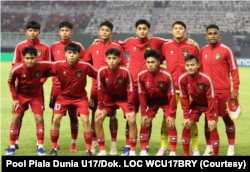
[[186, 136], [74, 127], [209, 148], [131, 118], [144, 136], [113, 127]]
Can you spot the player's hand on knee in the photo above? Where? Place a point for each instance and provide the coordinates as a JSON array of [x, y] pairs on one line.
[[98, 113], [96, 41], [144, 121], [186, 123], [212, 124], [171, 122], [15, 104], [131, 116]]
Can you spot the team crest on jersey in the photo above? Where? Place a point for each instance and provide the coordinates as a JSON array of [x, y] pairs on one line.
[[148, 47], [161, 84], [37, 73], [217, 56], [185, 53], [39, 52], [119, 80], [79, 74], [200, 86]]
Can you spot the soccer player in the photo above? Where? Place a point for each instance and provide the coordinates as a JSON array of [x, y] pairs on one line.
[[72, 76], [27, 91], [174, 52], [43, 53], [115, 88], [218, 61], [96, 56], [156, 90], [200, 87], [57, 54]]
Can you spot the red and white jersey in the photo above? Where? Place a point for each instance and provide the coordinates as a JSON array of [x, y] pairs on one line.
[[156, 89], [115, 85], [174, 53], [137, 48], [200, 88], [58, 53], [28, 78], [218, 61], [96, 55]]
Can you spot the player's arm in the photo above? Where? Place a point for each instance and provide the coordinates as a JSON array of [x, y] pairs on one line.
[[88, 56], [91, 71], [51, 70], [162, 53], [184, 98], [82, 52], [17, 56], [171, 97], [11, 81], [124, 44], [142, 96], [197, 53], [101, 88], [130, 90], [47, 58], [123, 61]]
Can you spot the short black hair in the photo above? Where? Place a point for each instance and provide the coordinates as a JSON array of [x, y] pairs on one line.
[[108, 24], [142, 21], [180, 23], [66, 24], [212, 26], [190, 57], [33, 25], [73, 47], [152, 53], [29, 49], [113, 51]]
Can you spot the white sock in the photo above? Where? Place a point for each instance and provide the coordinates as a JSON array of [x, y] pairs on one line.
[[143, 152], [12, 146], [58, 141], [94, 142], [16, 142], [209, 147], [113, 143], [172, 153], [40, 146], [103, 151], [127, 146], [131, 152], [231, 147], [73, 141], [147, 146]]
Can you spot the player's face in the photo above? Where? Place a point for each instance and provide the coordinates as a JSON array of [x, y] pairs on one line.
[[142, 31], [179, 31], [32, 34], [112, 61], [71, 56], [29, 59], [105, 32], [152, 64], [213, 35], [191, 66], [65, 33]]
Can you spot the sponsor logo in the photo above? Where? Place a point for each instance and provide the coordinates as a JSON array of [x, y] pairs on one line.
[[185, 52], [97, 52], [205, 56], [161, 84], [119, 80], [215, 115], [107, 79], [134, 48], [39, 52], [79, 74], [64, 73], [141, 137], [148, 47], [188, 85], [37, 73], [41, 130], [200, 86], [172, 52], [217, 56], [11, 131], [24, 76], [58, 52]]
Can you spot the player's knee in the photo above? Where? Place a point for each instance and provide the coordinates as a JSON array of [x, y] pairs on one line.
[[16, 119], [85, 121], [99, 120], [39, 119], [131, 122]]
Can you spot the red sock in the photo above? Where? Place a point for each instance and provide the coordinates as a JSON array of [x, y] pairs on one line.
[[144, 137], [150, 131], [172, 138], [215, 140], [101, 142], [73, 122], [19, 128], [186, 136], [230, 130], [127, 134], [207, 133], [113, 132], [88, 139], [93, 132], [13, 133], [54, 135], [132, 143], [40, 133]]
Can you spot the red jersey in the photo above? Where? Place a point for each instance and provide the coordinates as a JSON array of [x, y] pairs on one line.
[[43, 52], [156, 89], [28, 78], [58, 53], [218, 61], [174, 53], [72, 78], [137, 48], [115, 85], [201, 89], [96, 55]]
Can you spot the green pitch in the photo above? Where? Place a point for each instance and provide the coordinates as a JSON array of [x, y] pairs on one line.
[[27, 139]]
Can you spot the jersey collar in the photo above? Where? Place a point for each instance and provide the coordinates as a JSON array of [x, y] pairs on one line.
[[184, 41], [33, 43], [65, 43]]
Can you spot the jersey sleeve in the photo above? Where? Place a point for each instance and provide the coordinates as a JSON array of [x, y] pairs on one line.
[[184, 98], [47, 58], [130, 90], [210, 98], [11, 81], [161, 41], [92, 72], [51, 70], [198, 54], [101, 85], [17, 56], [123, 61], [124, 44], [82, 52], [171, 97], [162, 53], [142, 92], [88, 57]]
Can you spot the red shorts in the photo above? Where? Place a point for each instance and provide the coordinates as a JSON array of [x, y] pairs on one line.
[[136, 99], [93, 99], [62, 105], [221, 99], [36, 103], [152, 110], [55, 91], [111, 106]]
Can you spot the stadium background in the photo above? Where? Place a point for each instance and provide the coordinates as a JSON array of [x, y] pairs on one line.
[[233, 18]]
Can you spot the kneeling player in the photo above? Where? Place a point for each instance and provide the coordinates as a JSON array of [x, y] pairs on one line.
[[29, 73], [200, 87], [156, 90], [115, 88], [72, 76]]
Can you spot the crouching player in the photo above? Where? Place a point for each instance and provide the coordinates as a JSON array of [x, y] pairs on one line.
[[72, 76], [200, 87], [115, 88], [156, 90], [29, 73]]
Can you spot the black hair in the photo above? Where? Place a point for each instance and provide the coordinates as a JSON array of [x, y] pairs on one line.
[[142, 21], [190, 57], [108, 24], [73, 47], [113, 51], [152, 53], [66, 24], [180, 23], [33, 25], [29, 49], [212, 26]]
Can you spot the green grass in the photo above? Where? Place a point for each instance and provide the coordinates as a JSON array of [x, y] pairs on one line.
[[27, 140]]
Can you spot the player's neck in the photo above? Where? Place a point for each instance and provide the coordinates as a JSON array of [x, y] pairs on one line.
[[65, 40], [105, 41], [33, 40], [71, 63], [179, 39]]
